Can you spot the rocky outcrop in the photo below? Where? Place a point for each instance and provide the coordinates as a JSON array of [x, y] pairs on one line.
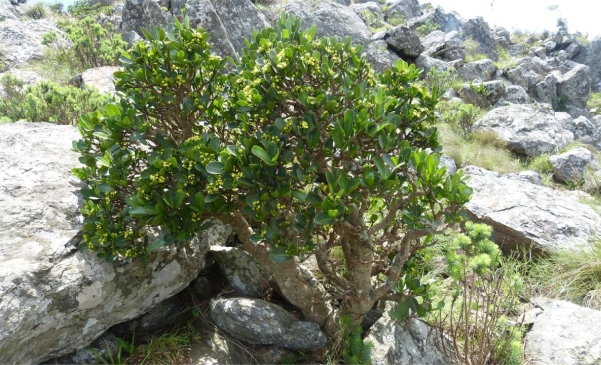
[[370, 12], [446, 22], [331, 19], [240, 269], [481, 70], [528, 129], [478, 30], [55, 299], [591, 57], [569, 167], [404, 9], [446, 45], [402, 343], [585, 130], [525, 215], [575, 86], [138, 14], [564, 334], [100, 78], [259, 322], [404, 42]]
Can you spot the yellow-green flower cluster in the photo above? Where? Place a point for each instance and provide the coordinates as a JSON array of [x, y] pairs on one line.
[[270, 138], [281, 59], [213, 187], [205, 157], [195, 217], [157, 178], [309, 61], [256, 205]]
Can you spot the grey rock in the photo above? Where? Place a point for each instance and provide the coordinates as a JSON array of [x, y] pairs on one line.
[[425, 63], [570, 166], [564, 334], [331, 19], [482, 70], [215, 348], [404, 9], [575, 86], [526, 215], [239, 18], [573, 50], [370, 13], [590, 56], [550, 46], [585, 130], [379, 57], [107, 346], [523, 75], [539, 51], [407, 343], [545, 91], [240, 269], [259, 322], [530, 316], [203, 14], [531, 177], [528, 129], [403, 41], [138, 14], [448, 162], [479, 31], [64, 298], [447, 22], [21, 41], [515, 94], [100, 78], [495, 90]]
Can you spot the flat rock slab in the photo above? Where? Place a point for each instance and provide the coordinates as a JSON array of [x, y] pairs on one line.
[[524, 214], [564, 334], [54, 299], [100, 78]]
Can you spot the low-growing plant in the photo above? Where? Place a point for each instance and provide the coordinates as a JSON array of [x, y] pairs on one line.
[[427, 28], [355, 351], [473, 327], [505, 60], [442, 80], [291, 148], [460, 116], [572, 274], [46, 101], [472, 51], [594, 102], [81, 9], [37, 11]]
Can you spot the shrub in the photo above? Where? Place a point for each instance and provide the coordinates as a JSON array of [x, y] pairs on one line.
[[442, 80], [473, 328], [355, 351], [292, 148], [37, 11], [461, 117], [46, 101], [472, 51], [91, 44], [426, 28]]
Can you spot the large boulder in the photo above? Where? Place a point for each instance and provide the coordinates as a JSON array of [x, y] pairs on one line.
[[482, 70], [575, 86], [407, 343], [564, 334], [54, 299], [528, 129], [259, 322], [138, 14], [403, 9], [331, 19], [21, 41], [379, 56], [446, 45], [585, 130], [527, 215], [100, 78], [404, 42], [570, 166], [591, 56], [240, 269], [479, 31], [371, 14], [446, 22], [203, 14]]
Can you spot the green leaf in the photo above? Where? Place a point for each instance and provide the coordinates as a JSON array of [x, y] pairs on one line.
[[215, 168], [262, 154], [112, 110], [279, 254], [323, 218]]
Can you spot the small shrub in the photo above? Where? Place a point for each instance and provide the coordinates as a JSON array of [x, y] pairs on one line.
[[473, 327], [594, 102], [472, 51], [56, 8], [46, 101], [461, 117], [427, 28], [441, 80], [560, 103], [354, 350], [541, 164], [37, 11], [82, 9]]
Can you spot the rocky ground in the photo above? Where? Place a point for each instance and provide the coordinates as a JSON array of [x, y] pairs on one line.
[[534, 92]]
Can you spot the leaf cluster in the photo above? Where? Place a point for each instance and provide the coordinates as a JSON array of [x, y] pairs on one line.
[[46, 101], [298, 138]]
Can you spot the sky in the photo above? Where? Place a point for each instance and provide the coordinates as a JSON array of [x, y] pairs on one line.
[[531, 15]]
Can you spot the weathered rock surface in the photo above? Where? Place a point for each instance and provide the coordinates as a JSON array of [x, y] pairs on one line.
[[54, 299], [402, 343], [482, 70], [138, 14], [575, 86], [570, 166], [515, 94], [591, 56], [479, 31], [242, 272], [331, 19], [379, 57], [523, 214], [404, 9], [447, 22], [100, 78], [528, 129], [564, 334], [21, 41], [370, 12], [259, 322], [404, 41]]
